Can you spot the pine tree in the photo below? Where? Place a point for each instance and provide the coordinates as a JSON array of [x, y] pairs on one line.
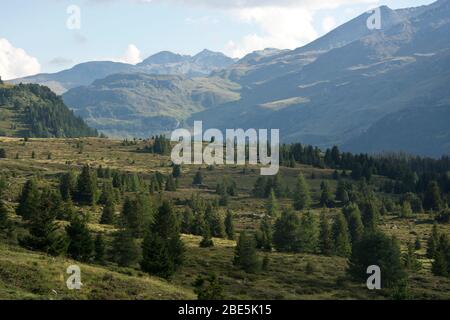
[[406, 211], [207, 241], [125, 250], [245, 255], [171, 184], [441, 263], [378, 249], [209, 288], [355, 224], [302, 198], [44, 232], [86, 192], [176, 171], [432, 199], [309, 233], [342, 245], [285, 236], [81, 244], [341, 192], [433, 242], [6, 226], [187, 221], [162, 249], [99, 249], [326, 236], [67, 185], [28, 200], [198, 178], [410, 259], [229, 225], [264, 235], [326, 197], [107, 194], [370, 216], [215, 221], [272, 207], [108, 213]]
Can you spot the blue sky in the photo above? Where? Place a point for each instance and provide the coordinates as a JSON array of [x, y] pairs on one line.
[[34, 36]]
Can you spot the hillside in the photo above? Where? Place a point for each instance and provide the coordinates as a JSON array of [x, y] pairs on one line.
[[166, 63], [130, 105], [288, 275], [35, 111]]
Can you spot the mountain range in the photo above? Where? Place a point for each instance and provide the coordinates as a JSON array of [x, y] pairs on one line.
[[363, 90]]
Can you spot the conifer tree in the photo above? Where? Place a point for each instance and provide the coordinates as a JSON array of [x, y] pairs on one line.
[[209, 288], [341, 192], [433, 242], [285, 236], [370, 216], [176, 171], [229, 225], [441, 263], [171, 184], [273, 207], [326, 197], [81, 244], [410, 259], [406, 211], [6, 226], [378, 249], [107, 194], [342, 245], [264, 235], [432, 199], [44, 232], [309, 233], [198, 178], [99, 249], [207, 241], [187, 221], [125, 250], [245, 255], [302, 198], [28, 200], [67, 185], [355, 224], [326, 236], [108, 213], [86, 192], [215, 221]]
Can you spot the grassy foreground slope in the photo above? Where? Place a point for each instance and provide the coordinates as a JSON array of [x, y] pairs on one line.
[[26, 274]]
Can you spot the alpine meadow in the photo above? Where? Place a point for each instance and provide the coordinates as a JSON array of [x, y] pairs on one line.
[[284, 164]]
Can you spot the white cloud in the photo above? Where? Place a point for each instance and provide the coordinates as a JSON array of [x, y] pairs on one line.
[[132, 55], [15, 62], [285, 28]]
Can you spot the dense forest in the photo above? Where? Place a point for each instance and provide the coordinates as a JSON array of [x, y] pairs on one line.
[[30, 110]]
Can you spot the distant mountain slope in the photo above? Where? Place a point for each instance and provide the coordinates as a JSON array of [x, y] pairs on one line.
[[142, 105], [346, 90], [164, 62], [80, 75], [35, 111]]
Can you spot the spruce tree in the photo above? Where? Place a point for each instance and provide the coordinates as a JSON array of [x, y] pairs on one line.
[[86, 192], [378, 249], [285, 236], [433, 242], [272, 207], [309, 233], [99, 249], [28, 200], [341, 192], [264, 234], [67, 185], [326, 236], [342, 245], [44, 233], [326, 197], [81, 244], [207, 241], [198, 178], [410, 259], [187, 221], [215, 221], [432, 198], [125, 250], [108, 213], [441, 263], [171, 184], [406, 211], [370, 216], [229, 225], [176, 171], [107, 194], [302, 198], [245, 255], [209, 288], [355, 224], [6, 226]]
